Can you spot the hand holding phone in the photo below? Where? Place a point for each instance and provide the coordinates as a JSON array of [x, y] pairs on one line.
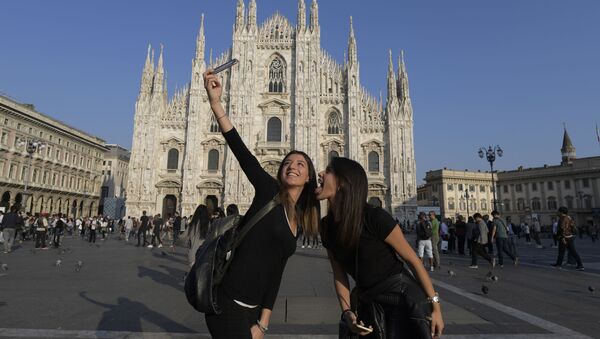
[[225, 66], [362, 327]]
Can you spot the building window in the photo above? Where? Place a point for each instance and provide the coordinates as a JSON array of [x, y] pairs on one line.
[[450, 187], [434, 187], [536, 204], [331, 155], [462, 204], [214, 126], [506, 205], [373, 161], [482, 188], [518, 188], [274, 129], [104, 193], [172, 159], [23, 173], [587, 201], [276, 76], [552, 205], [550, 186], [334, 123], [569, 202], [451, 204], [483, 205], [213, 160], [505, 188], [520, 204], [472, 188], [585, 182], [473, 205], [534, 186], [460, 187], [567, 184], [4, 138], [12, 171]]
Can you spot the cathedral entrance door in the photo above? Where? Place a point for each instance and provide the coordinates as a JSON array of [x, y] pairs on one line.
[[212, 203], [169, 206]]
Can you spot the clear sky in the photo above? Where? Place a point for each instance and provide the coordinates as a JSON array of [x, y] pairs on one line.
[[481, 72]]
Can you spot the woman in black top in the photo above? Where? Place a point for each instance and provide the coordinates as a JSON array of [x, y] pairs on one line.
[[351, 224], [251, 284]]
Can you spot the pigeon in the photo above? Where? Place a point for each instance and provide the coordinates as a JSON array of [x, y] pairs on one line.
[[484, 289], [494, 278], [163, 253], [451, 273], [58, 262], [78, 266], [591, 289], [5, 267]]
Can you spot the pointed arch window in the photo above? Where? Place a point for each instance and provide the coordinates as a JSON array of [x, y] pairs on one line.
[[213, 160], [214, 126], [334, 123], [274, 129], [172, 159], [277, 76], [373, 161], [332, 154]]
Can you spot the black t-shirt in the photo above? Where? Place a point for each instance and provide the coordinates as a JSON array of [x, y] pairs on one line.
[[376, 259], [255, 272], [144, 220]]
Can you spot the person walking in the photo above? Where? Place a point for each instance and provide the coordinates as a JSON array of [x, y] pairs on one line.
[[94, 225], [176, 228], [10, 223], [435, 238], [59, 229], [451, 236], [500, 234], [537, 229], [461, 231], [40, 232], [250, 286], [554, 233], [365, 242], [527, 232], [144, 222], [424, 246], [157, 224], [128, 227], [490, 244], [566, 235], [479, 242]]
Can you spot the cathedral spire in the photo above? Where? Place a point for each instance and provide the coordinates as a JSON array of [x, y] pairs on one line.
[[158, 86], [239, 16], [200, 42], [403, 92], [314, 16], [567, 150], [391, 80], [147, 74], [301, 18], [352, 55], [251, 15]]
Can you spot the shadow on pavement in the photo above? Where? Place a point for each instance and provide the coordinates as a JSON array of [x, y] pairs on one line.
[[160, 277], [169, 256], [127, 315]]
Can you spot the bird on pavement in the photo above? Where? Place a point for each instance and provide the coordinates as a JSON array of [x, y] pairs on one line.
[[484, 289], [78, 266], [58, 262], [451, 273], [4, 267], [591, 289]]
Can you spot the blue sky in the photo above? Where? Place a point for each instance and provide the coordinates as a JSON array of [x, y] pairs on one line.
[[481, 72]]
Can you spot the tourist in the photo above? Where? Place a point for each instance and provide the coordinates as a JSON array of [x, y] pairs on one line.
[[364, 241], [157, 224], [141, 233], [10, 223], [435, 238], [566, 235], [500, 233], [128, 227], [461, 229], [251, 284], [41, 230], [424, 245], [479, 241]]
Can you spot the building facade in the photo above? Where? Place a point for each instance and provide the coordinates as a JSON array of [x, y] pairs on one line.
[[46, 165], [523, 194], [115, 168], [457, 192], [285, 93]]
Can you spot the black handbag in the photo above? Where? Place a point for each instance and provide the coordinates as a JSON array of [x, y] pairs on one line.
[[213, 259]]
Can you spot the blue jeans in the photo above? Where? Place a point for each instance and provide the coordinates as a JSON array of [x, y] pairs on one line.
[[9, 238], [502, 245]]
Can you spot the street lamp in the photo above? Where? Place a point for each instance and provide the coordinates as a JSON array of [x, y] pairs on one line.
[[490, 155], [31, 146], [467, 196]]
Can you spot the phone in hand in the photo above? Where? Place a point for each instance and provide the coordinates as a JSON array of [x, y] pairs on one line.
[[225, 66], [364, 328]]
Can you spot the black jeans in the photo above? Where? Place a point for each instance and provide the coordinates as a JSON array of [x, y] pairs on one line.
[[502, 246], [478, 249], [156, 236], [40, 239], [567, 244], [141, 233], [93, 236], [461, 244], [234, 322], [56, 238]]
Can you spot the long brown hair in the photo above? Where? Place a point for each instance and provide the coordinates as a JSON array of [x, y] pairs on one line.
[[347, 210], [307, 208]]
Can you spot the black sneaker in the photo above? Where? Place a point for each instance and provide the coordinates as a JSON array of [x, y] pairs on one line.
[[580, 268]]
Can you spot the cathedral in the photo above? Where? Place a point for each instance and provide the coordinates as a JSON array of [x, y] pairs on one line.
[[285, 93]]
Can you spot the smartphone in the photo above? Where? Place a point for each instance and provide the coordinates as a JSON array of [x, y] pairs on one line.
[[225, 66], [364, 328]]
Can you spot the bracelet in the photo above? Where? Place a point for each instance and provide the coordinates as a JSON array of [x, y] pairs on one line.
[[434, 299], [262, 328], [222, 116]]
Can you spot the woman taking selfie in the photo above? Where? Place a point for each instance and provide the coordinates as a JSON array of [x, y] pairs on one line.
[[250, 286], [363, 241]]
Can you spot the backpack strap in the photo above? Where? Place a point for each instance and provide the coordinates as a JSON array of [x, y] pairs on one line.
[[255, 218]]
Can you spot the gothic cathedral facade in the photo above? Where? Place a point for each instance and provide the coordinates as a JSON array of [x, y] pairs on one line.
[[285, 93]]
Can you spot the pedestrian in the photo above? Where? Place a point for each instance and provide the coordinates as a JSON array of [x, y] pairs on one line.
[[500, 233], [94, 225], [461, 229], [144, 225], [128, 227], [537, 229], [59, 228], [554, 233], [479, 242], [451, 236], [566, 235], [197, 231], [490, 244], [41, 230], [470, 229], [435, 238], [11, 222], [424, 246], [527, 232], [364, 241], [250, 286], [176, 228], [512, 237], [157, 224], [444, 235]]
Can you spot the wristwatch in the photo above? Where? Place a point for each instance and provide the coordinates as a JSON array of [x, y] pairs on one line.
[[434, 299]]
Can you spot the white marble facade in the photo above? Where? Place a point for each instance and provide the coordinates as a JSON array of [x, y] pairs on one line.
[[285, 93]]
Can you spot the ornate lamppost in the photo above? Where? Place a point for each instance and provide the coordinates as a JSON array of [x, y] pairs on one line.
[[31, 146], [490, 155]]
